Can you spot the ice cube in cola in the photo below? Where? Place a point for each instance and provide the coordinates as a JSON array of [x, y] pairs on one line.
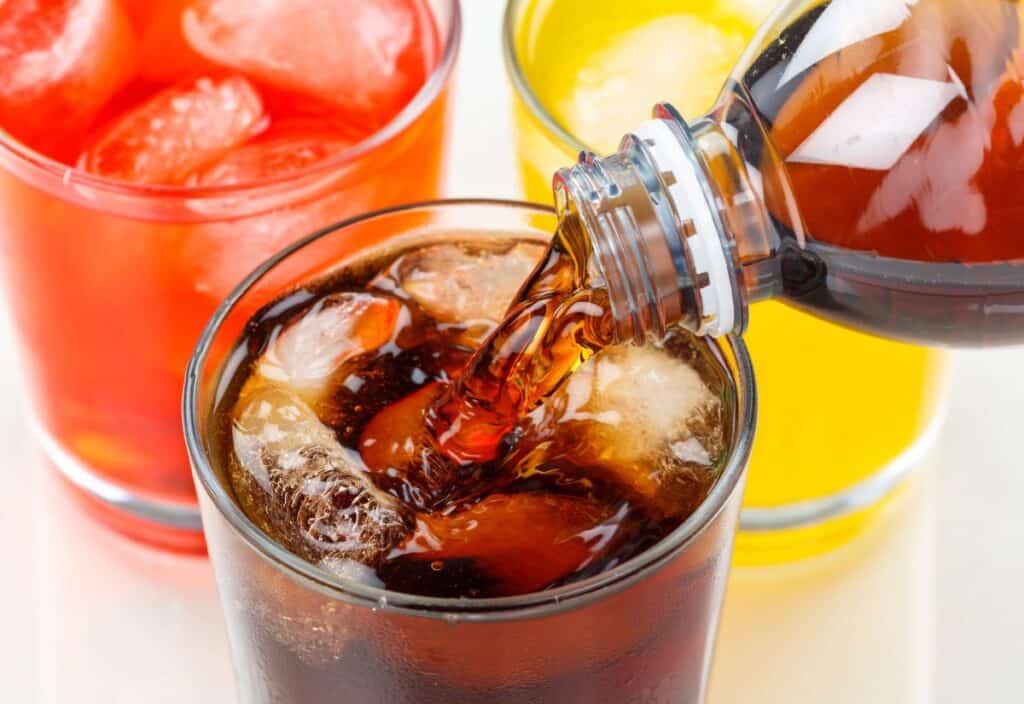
[[647, 420], [333, 453], [472, 289], [303, 487]]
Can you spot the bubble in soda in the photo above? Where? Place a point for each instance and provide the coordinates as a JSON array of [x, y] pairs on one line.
[[333, 453]]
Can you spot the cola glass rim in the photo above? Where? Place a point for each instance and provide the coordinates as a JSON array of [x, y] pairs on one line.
[[485, 609], [189, 202]]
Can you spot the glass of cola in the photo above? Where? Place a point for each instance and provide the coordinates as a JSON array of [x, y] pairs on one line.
[[357, 562]]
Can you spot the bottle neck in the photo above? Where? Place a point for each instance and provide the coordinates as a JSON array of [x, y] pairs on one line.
[[661, 218]]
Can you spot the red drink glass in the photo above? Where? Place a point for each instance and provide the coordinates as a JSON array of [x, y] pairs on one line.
[[110, 281]]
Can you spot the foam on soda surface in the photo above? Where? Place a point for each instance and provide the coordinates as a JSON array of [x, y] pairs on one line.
[[619, 454]]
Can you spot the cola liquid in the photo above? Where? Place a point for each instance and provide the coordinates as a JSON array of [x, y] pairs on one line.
[[864, 163], [890, 142], [573, 459]]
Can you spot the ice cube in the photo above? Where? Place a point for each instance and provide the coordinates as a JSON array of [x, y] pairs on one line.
[[59, 64], [524, 542], [639, 399], [367, 57], [303, 488], [284, 150], [178, 132], [596, 90], [455, 284], [307, 353], [637, 416], [351, 571], [217, 255], [396, 446]]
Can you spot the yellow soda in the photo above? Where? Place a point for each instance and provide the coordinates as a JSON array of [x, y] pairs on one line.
[[844, 416]]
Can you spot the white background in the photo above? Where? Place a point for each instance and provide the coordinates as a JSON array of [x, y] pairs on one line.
[[926, 607]]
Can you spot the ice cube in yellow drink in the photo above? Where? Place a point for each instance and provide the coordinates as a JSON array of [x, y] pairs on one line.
[[843, 415]]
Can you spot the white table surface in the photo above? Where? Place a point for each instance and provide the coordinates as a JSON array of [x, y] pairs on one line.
[[925, 608]]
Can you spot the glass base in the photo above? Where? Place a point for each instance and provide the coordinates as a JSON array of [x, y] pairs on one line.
[[168, 525], [770, 536]]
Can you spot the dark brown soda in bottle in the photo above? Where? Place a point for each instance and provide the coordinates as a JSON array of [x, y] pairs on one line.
[[864, 163]]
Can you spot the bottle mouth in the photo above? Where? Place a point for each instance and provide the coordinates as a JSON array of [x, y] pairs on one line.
[[656, 243], [616, 208], [671, 148]]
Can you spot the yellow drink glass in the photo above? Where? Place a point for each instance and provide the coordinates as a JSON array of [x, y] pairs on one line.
[[844, 416]]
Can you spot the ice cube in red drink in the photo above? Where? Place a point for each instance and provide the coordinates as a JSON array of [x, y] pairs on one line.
[[60, 62], [367, 57], [286, 149], [178, 132]]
